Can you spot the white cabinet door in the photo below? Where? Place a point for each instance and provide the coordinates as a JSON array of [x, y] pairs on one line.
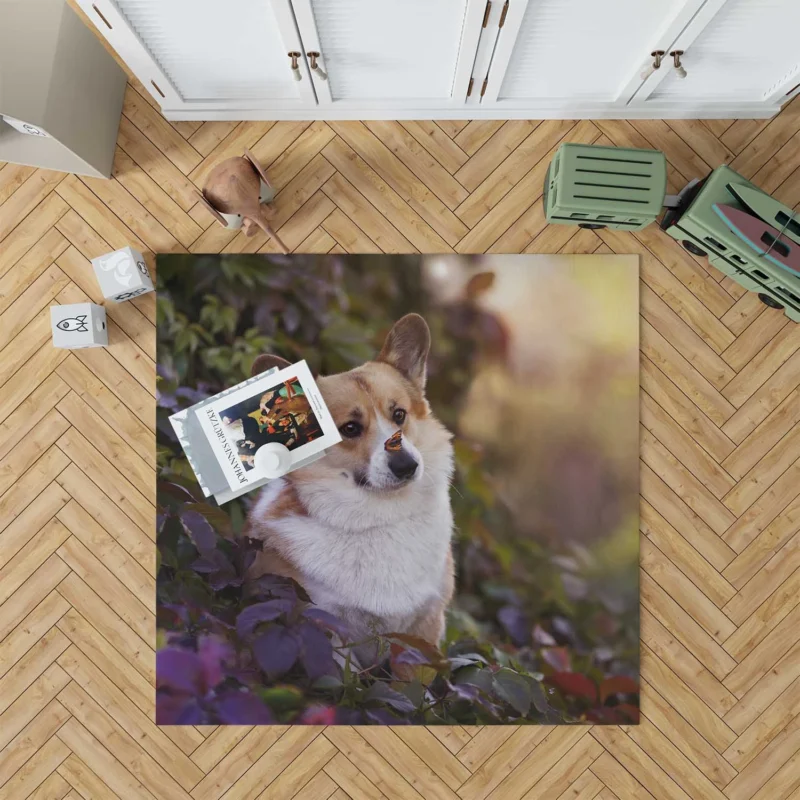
[[564, 54], [743, 51], [207, 55], [390, 54]]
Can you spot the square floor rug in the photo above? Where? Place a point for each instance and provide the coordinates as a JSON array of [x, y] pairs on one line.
[[463, 546]]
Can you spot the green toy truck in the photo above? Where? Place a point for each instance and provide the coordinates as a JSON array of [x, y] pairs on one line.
[[609, 187], [700, 230]]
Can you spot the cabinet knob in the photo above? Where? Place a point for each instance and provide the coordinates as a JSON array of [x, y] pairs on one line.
[[317, 70], [651, 68], [676, 59], [296, 74]]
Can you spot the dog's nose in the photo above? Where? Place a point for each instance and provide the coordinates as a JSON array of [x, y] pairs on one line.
[[402, 465]]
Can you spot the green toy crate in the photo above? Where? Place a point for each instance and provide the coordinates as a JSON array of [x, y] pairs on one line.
[[702, 232], [605, 187]]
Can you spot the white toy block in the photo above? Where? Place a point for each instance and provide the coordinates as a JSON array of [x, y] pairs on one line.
[[122, 274], [78, 325]]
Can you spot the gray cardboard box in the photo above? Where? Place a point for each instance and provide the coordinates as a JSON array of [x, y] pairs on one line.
[[78, 325], [122, 274], [56, 76]]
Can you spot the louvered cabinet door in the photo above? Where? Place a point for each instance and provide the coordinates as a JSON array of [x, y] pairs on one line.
[[554, 55], [208, 56], [743, 51], [389, 54]]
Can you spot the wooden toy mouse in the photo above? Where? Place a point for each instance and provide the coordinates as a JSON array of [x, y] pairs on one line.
[[234, 189]]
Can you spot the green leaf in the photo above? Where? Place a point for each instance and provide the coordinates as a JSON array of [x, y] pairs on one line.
[[514, 689], [327, 683], [382, 693], [415, 692], [538, 697], [282, 698], [474, 676]]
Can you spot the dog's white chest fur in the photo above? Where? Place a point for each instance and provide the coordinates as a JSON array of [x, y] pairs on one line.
[[390, 570]]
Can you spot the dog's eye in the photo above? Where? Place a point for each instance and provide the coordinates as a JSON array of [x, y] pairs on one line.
[[399, 416], [350, 430]]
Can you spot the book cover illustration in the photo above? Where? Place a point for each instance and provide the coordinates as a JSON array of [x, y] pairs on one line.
[[223, 434]]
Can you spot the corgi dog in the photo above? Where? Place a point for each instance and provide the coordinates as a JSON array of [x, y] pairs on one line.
[[366, 530]]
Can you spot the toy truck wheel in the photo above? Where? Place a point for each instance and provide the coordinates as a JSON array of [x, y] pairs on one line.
[[592, 226], [769, 301], [693, 248]]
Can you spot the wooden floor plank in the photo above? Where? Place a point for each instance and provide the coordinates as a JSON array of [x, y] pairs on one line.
[[498, 182], [30, 267], [33, 701], [402, 180], [437, 143], [159, 131], [687, 702], [420, 162], [12, 176], [34, 736], [683, 736]]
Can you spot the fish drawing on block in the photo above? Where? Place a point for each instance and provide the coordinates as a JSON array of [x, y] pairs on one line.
[[77, 324], [763, 238]]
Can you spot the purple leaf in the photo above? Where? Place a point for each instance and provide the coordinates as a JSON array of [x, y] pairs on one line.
[[254, 615], [216, 517], [219, 580], [542, 637], [276, 650], [190, 394], [166, 400], [464, 691], [176, 490], [349, 716], [220, 570], [207, 563], [200, 532], [177, 709], [181, 670], [326, 620], [317, 655], [242, 708], [248, 559], [275, 585], [557, 657], [563, 628], [410, 655], [516, 624], [213, 653]]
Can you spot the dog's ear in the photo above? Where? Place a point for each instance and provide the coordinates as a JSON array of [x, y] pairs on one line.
[[406, 348], [265, 362]]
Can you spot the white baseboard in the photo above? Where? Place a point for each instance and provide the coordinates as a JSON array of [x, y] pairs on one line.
[[651, 111]]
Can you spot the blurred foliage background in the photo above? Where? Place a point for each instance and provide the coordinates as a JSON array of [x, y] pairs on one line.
[[534, 368]]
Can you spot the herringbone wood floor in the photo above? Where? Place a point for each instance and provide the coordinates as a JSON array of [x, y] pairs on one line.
[[720, 471]]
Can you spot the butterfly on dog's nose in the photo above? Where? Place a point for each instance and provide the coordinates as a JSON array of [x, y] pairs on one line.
[[394, 442]]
